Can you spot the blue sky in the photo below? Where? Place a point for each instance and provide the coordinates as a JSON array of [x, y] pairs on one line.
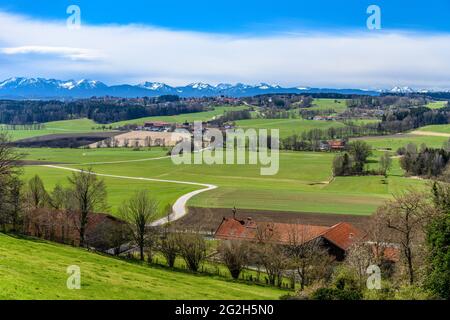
[[233, 16], [292, 43]]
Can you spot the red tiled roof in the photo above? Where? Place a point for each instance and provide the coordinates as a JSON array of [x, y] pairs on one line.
[[341, 235], [336, 144], [389, 252]]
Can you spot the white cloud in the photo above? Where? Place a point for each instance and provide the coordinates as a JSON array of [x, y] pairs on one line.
[[71, 53], [135, 53]]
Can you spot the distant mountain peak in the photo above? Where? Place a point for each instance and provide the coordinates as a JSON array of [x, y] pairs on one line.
[[399, 89], [39, 88]]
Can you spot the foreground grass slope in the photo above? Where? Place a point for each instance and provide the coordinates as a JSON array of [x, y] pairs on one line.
[[36, 269]]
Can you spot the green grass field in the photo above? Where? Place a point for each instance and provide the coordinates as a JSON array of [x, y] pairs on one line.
[[437, 104], [189, 117], [395, 142], [36, 269], [87, 125], [67, 126], [338, 105], [303, 183], [441, 128], [287, 127], [118, 189]]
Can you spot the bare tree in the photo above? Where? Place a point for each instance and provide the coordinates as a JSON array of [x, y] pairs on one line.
[[406, 217], [89, 195], [36, 194], [15, 202], [139, 212], [235, 255], [8, 172], [359, 257], [269, 254], [306, 255], [192, 247], [169, 248], [385, 164], [59, 197], [8, 157]]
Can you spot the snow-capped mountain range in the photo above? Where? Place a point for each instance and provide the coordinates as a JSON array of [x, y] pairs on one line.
[[40, 88]]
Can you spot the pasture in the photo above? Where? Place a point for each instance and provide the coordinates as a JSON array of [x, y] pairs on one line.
[[437, 105], [187, 117], [440, 128], [394, 142], [287, 127], [303, 184], [87, 125], [56, 127], [36, 269], [338, 105]]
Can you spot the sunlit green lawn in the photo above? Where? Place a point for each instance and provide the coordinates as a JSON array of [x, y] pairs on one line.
[[36, 269]]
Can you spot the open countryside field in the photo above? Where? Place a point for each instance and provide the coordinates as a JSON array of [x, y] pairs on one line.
[[303, 184], [67, 126], [189, 117], [441, 128], [437, 104], [43, 275], [87, 125], [395, 142], [338, 105], [287, 127], [118, 189]]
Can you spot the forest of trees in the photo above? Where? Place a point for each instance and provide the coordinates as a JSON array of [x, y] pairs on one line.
[[100, 110], [423, 162]]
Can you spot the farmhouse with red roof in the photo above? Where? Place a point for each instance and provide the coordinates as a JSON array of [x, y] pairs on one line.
[[337, 239]]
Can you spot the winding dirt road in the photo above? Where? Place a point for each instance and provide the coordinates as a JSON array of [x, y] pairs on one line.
[[179, 209]]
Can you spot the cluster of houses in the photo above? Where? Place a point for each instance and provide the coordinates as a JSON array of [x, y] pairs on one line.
[[161, 126]]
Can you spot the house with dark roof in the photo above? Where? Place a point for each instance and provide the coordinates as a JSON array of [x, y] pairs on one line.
[[158, 126], [336, 239]]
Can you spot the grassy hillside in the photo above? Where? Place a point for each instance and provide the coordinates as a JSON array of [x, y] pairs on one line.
[[36, 269]]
